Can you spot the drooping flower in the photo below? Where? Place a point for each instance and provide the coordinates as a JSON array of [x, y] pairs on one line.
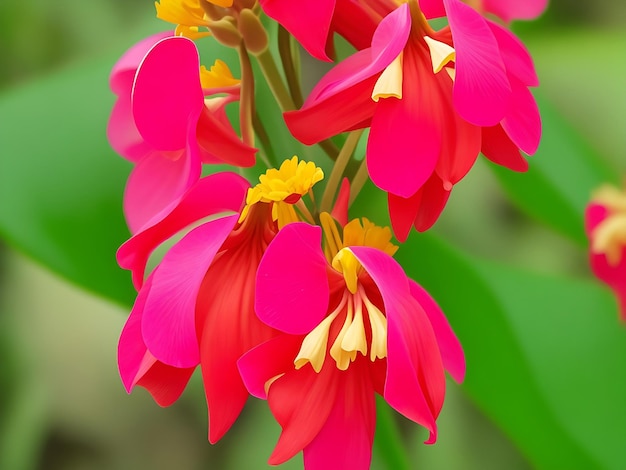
[[166, 123], [351, 325], [605, 224], [434, 100], [197, 306]]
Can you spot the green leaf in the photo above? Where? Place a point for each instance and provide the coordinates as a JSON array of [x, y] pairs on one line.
[[545, 356], [61, 185], [561, 177]]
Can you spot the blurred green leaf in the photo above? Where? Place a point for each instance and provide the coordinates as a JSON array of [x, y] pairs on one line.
[[561, 177], [61, 185], [545, 355]]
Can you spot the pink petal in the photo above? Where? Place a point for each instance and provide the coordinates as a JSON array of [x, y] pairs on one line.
[[500, 149], [510, 10], [218, 138], [227, 328], [301, 401], [432, 8], [594, 215], [405, 139], [165, 383], [340, 209], [415, 384], [523, 122], [169, 316], [402, 212], [156, 185], [122, 133], [267, 361], [516, 58], [434, 199], [308, 21], [481, 87], [353, 22], [167, 95], [131, 349], [345, 441], [451, 350], [292, 287], [211, 195], [123, 72]]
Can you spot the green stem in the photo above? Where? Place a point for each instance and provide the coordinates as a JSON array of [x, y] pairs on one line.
[[270, 157], [287, 59], [329, 148], [359, 180], [388, 442], [338, 169], [246, 98], [275, 81]]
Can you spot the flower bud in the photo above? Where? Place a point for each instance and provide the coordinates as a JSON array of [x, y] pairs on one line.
[[253, 32]]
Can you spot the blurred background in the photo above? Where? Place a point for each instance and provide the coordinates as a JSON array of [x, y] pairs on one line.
[[62, 405]]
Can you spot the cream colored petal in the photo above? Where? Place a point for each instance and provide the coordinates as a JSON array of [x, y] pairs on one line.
[[390, 81], [440, 53]]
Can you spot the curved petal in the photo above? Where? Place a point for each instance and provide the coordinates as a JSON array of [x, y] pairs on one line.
[[122, 133], [307, 20], [219, 139], [523, 122], [123, 72], [301, 401], [353, 22], [340, 209], [345, 440], [402, 212], [510, 10], [228, 327], [432, 8], [165, 383], [266, 361], [415, 384], [405, 139], [481, 87], [211, 195], [155, 187], [451, 350], [515, 56], [498, 147], [291, 285], [168, 324], [167, 95], [434, 199]]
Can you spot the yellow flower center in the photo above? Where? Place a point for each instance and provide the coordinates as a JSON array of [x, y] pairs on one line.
[[187, 15], [609, 237], [283, 188], [218, 76]]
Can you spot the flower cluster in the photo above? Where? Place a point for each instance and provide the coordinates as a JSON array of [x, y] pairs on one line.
[[272, 289]]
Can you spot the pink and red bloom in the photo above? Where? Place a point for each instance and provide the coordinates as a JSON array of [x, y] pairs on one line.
[[605, 225], [197, 306], [168, 125], [433, 100], [351, 324]]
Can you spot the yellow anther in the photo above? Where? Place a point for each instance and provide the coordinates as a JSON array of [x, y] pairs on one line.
[[389, 84], [218, 76], [188, 15], [346, 263], [378, 323], [343, 358], [355, 339], [440, 53]]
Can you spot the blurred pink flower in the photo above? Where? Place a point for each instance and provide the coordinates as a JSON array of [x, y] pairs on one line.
[[434, 100], [352, 324], [605, 225], [164, 124]]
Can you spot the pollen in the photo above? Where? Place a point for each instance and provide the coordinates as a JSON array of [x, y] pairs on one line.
[[283, 188], [609, 237], [187, 15], [389, 84], [218, 76]]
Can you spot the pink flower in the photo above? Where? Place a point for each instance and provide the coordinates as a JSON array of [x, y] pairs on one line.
[[352, 325], [313, 22], [507, 10], [434, 100], [162, 123], [197, 306], [605, 225]]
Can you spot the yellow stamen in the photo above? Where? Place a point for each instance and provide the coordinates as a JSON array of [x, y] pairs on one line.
[[188, 15], [343, 358], [283, 188], [218, 76], [378, 322], [355, 340], [389, 84], [609, 237], [440, 53]]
